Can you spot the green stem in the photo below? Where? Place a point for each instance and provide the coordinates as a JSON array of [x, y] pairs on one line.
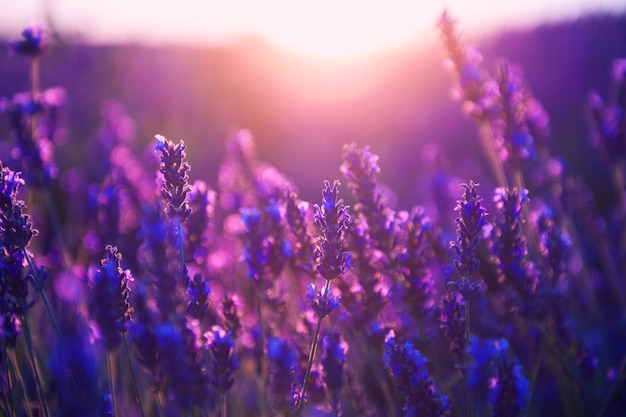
[[487, 141], [35, 365], [470, 405], [56, 225], [43, 295], [181, 247], [159, 403], [111, 378], [7, 365], [314, 344], [20, 380], [134, 376], [224, 405]]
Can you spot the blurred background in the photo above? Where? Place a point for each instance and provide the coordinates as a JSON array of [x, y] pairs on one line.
[[307, 77]]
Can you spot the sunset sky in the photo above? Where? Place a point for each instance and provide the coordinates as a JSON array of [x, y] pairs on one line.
[[323, 28]]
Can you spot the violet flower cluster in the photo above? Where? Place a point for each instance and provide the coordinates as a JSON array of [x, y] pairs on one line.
[[245, 299]]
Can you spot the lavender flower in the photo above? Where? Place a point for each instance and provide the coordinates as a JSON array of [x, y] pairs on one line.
[[225, 362], [32, 42], [187, 379], [333, 219], [470, 224], [265, 246], [109, 306], [199, 224], [408, 367], [360, 167], [197, 294], [474, 88], [513, 130], [231, 317], [333, 368], [452, 320], [156, 259], [144, 336], [418, 286], [509, 245], [34, 148], [16, 230], [282, 365], [175, 177], [322, 302], [106, 406], [485, 354], [510, 391], [295, 216]]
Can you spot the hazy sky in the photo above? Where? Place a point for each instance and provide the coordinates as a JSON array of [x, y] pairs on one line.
[[320, 27]]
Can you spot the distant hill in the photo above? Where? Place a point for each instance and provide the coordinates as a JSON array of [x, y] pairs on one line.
[[396, 102]]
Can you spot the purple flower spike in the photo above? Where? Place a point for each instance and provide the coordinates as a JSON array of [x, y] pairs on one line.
[[224, 361], [333, 219], [109, 305], [322, 302], [32, 41], [470, 224], [16, 229], [408, 367], [175, 177], [333, 371], [510, 391]]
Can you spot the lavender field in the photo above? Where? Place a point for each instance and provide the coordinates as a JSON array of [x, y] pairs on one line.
[[181, 235]]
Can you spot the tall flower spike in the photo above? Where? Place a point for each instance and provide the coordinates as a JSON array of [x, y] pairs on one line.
[[333, 372], [16, 230], [452, 320], [470, 224], [333, 219], [225, 362], [408, 367], [510, 390], [109, 305], [509, 244], [360, 167], [175, 177]]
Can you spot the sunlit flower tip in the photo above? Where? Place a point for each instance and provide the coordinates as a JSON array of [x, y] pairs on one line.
[[333, 219], [31, 43], [470, 223], [15, 225], [175, 170], [225, 362], [110, 307], [322, 302]]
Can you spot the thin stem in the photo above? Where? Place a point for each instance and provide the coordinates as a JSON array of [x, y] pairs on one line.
[[35, 365], [56, 225], [470, 405], [314, 343], [134, 376], [487, 141], [262, 361], [43, 295], [7, 365], [159, 403], [224, 405], [111, 377], [181, 247], [20, 380]]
